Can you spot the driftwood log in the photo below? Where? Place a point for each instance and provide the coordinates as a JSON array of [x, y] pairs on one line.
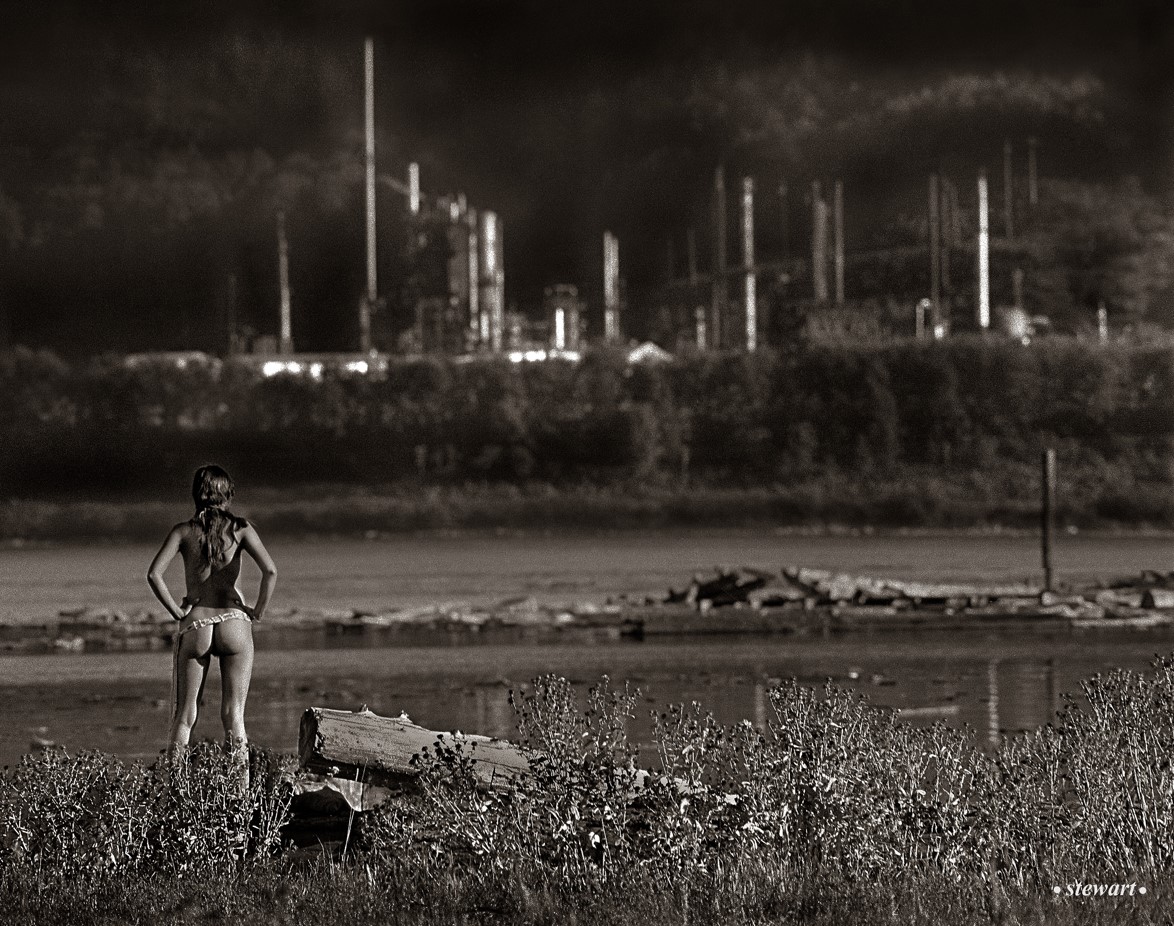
[[380, 750]]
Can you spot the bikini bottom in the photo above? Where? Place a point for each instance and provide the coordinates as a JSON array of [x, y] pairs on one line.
[[229, 614]]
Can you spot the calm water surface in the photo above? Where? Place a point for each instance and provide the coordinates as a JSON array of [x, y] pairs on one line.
[[992, 683], [345, 574]]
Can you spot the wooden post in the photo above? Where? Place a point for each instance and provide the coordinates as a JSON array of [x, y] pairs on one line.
[[285, 338], [1032, 179], [1017, 287], [366, 304], [838, 238], [1008, 192], [751, 281], [719, 257], [819, 243], [984, 256], [935, 252], [1048, 514]]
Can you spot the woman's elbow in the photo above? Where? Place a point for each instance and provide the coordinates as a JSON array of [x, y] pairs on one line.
[[270, 571]]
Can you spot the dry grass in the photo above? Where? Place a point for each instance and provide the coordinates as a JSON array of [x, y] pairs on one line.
[[836, 812]]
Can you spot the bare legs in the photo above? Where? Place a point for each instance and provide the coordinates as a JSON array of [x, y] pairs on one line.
[[192, 658], [232, 642]]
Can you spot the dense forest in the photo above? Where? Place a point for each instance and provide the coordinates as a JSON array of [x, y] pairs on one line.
[[952, 431]]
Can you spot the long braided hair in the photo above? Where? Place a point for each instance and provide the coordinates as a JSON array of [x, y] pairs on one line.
[[212, 490]]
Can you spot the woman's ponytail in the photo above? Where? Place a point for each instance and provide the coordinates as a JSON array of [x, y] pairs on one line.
[[212, 490]]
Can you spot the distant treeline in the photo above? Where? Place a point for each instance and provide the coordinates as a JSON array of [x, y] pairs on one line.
[[717, 421]]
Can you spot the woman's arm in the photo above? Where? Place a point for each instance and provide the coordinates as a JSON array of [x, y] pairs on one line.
[[159, 566], [251, 541]]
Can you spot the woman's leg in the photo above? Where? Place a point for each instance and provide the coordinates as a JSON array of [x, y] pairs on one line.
[[233, 643], [191, 669]]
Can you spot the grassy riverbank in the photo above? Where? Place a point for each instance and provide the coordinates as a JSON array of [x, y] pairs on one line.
[[1001, 497], [837, 812]]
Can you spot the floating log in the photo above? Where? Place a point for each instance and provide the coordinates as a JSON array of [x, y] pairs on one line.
[[829, 586], [381, 750]]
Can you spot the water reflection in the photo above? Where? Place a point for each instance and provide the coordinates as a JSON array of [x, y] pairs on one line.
[[996, 685]]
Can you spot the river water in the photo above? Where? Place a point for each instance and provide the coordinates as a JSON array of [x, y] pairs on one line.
[[992, 682]]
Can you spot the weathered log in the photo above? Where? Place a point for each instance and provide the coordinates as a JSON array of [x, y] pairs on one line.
[[835, 587], [381, 750], [1162, 598]]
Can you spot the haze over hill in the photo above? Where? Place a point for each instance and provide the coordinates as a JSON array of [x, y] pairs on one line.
[[143, 151]]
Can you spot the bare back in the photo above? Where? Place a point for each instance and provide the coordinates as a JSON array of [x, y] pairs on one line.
[[209, 585]]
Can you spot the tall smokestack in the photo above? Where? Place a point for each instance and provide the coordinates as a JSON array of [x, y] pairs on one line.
[[935, 250], [611, 287], [475, 338], [691, 249], [285, 338], [984, 255], [1032, 177], [492, 298], [366, 304], [720, 292], [785, 213], [1008, 192], [751, 289], [838, 238], [233, 338], [414, 188], [819, 243]]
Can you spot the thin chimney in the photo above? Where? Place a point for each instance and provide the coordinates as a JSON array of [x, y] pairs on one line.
[[751, 281], [1008, 192], [719, 257], [935, 250], [285, 338], [838, 238], [785, 214], [473, 246], [1032, 177], [366, 304], [984, 257], [611, 287], [492, 299], [819, 243], [414, 188], [691, 247]]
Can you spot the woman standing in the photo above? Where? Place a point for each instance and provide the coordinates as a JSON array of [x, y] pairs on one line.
[[214, 620]]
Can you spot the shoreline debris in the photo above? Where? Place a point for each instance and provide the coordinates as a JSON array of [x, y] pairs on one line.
[[794, 599]]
